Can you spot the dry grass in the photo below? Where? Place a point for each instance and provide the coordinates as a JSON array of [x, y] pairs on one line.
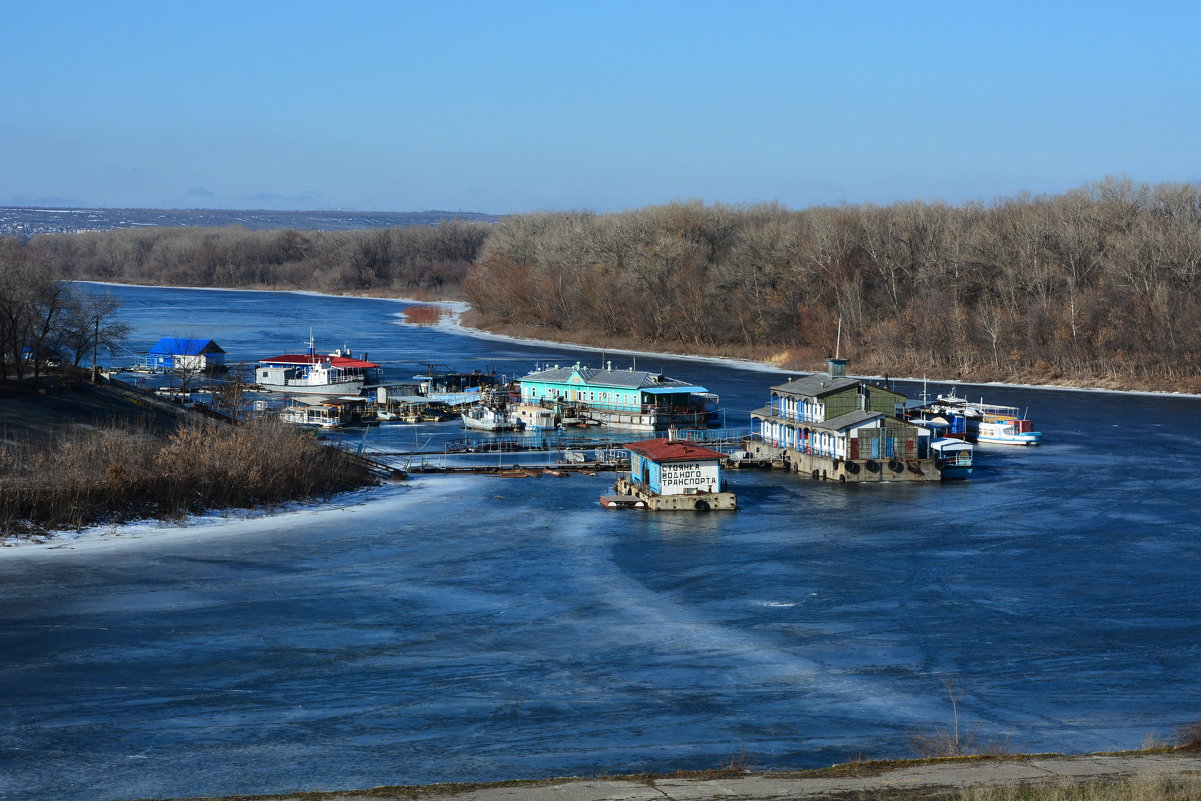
[[1140, 788], [1188, 737], [423, 315], [953, 741], [78, 477]]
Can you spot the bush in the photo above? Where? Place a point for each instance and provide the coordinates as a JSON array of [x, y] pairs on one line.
[[79, 477]]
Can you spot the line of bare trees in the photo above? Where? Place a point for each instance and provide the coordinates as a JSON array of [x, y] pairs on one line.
[[413, 260], [45, 321], [1100, 285]]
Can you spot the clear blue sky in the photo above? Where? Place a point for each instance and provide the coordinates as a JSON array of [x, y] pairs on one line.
[[510, 106]]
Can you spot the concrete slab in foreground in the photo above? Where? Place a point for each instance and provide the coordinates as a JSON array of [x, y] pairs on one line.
[[910, 779]]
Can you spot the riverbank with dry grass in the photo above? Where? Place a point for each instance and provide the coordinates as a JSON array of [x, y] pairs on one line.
[[132, 457], [1164, 775], [808, 359]]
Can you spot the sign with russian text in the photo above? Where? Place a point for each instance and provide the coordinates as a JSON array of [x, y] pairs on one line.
[[677, 477]]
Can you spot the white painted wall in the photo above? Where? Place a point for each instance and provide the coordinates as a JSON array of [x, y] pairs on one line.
[[680, 476]]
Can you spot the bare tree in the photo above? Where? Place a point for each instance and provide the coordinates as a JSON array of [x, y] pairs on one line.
[[90, 323]]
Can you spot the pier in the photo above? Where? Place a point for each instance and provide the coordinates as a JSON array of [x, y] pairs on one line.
[[724, 439], [558, 470]]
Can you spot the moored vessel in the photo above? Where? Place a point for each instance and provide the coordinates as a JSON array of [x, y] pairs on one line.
[[311, 373], [988, 423], [953, 457], [488, 418]]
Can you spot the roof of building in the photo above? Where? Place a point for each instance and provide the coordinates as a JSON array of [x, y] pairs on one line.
[[816, 385], [595, 376], [181, 346], [318, 358], [666, 450], [847, 421]]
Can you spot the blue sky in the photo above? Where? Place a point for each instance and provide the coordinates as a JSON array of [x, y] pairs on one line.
[[519, 106]]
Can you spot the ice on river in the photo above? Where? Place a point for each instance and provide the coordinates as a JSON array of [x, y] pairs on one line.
[[475, 628]]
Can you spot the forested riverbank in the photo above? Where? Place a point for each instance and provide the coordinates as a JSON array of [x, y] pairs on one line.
[[1100, 286], [415, 261]]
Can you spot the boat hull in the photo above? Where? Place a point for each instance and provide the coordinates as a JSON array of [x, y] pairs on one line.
[[1007, 440], [1002, 434], [956, 473], [353, 387], [477, 424]]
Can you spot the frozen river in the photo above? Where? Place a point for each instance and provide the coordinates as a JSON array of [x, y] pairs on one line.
[[476, 628]]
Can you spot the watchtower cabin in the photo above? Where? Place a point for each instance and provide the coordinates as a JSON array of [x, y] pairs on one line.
[[830, 427], [675, 475], [178, 354]]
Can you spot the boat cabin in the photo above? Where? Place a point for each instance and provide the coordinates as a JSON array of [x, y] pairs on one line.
[[336, 373], [333, 413]]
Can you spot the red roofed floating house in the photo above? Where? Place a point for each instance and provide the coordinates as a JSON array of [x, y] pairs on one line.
[[669, 474], [312, 373]]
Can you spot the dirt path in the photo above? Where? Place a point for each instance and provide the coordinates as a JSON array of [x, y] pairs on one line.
[[910, 780]]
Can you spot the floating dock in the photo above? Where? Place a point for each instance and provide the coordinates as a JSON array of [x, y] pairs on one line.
[[648, 499], [622, 502], [516, 470]]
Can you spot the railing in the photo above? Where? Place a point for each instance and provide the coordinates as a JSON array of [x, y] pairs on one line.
[[713, 434], [624, 408], [556, 440], [799, 416]]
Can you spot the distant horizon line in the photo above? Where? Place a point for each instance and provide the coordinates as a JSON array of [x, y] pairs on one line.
[[49, 208], [1026, 194]]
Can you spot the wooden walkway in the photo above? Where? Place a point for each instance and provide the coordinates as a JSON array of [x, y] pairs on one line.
[[516, 470]]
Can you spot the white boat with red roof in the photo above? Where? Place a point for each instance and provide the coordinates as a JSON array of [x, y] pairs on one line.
[[312, 373]]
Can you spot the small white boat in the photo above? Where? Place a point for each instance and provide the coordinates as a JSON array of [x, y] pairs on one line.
[[534, 416], [954, 457], [312, 415], [487, 418], [989, 423]]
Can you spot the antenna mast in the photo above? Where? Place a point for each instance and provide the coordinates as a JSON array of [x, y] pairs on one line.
[[838, 341]]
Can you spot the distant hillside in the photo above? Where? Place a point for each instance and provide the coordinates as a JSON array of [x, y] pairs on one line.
[[30, 221]]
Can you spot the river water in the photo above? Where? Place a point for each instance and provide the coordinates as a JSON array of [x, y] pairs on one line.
[[478, 628]]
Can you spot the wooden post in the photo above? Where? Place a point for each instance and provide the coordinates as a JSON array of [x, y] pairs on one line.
[[95, 343]]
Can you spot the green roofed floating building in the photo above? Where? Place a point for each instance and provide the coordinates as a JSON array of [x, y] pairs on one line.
[[631, 399]]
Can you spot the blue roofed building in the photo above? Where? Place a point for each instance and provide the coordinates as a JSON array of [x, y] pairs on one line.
[[191, 355]]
